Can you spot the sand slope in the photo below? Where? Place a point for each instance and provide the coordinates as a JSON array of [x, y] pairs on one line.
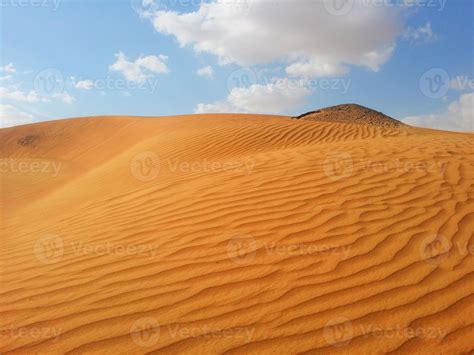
[[235, 233]]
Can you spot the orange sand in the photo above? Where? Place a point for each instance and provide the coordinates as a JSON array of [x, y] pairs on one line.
[[235, 233]]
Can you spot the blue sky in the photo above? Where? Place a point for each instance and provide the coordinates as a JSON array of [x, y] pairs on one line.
[[411, 59]]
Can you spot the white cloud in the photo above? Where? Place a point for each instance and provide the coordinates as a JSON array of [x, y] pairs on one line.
[[18, 95], [216, 107], [9, 68], [278, 96], [206, 71], [302, 33], [423, 34], [84, 84], [140, 69], [12, 116], [6, 77], [461, 83], [64, 97], [12, 93], [312, 68], [459, 116]]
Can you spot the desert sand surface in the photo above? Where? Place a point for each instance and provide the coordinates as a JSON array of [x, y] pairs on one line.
[[235, 233]]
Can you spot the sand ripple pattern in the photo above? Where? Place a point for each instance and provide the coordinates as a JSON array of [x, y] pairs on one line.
[[256, 234]]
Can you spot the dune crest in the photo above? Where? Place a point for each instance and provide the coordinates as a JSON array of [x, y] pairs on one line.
[[351, 113], [237, 233]]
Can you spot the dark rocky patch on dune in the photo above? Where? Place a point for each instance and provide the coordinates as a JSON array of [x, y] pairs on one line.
[[28, 140], [351, 113]]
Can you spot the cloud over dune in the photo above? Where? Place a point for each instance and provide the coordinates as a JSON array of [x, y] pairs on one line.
[[12, 116], [142, 68], [279, 95], [457, 117], [302, 34]]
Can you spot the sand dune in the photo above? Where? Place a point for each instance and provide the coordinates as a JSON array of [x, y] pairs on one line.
[[235, 233]]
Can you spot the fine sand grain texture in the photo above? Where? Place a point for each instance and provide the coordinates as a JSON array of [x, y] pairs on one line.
[[236, 234]]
